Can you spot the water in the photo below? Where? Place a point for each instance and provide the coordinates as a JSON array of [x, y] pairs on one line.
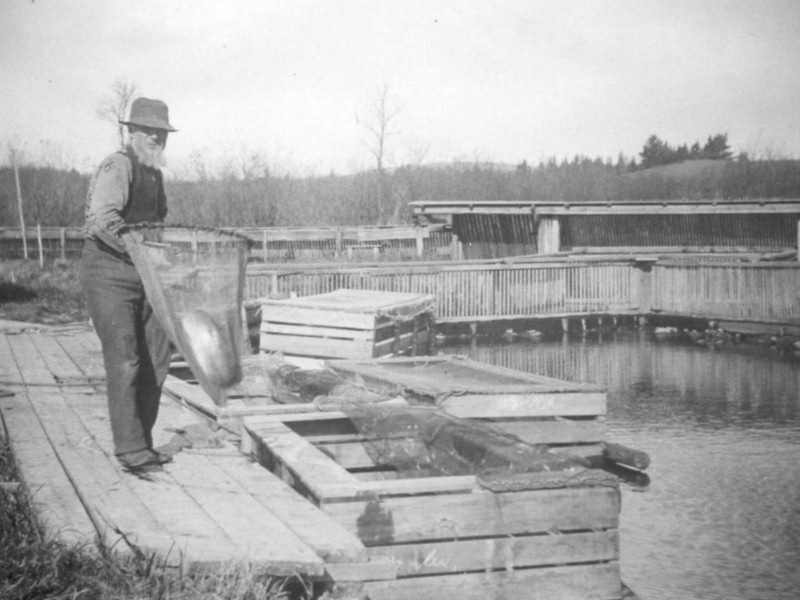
[[721, 518]]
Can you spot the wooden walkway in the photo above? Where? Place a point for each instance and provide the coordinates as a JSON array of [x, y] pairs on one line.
[[211, 506]]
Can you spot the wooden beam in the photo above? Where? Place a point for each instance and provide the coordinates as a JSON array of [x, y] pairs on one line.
[[637, 207], [578, 581]]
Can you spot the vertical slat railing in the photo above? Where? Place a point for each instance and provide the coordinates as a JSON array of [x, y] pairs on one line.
[[742, 291], [472, 291]]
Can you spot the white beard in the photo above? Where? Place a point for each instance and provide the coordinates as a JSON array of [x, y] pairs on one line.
[[149, 155]]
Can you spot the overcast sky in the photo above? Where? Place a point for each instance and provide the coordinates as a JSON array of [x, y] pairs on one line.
[[500, 81]]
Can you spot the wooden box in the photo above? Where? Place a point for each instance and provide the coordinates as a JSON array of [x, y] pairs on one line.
[[448, 536], [539, 410], [348, 323]]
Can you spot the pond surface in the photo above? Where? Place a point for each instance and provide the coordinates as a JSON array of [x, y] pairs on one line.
[[721, 517]]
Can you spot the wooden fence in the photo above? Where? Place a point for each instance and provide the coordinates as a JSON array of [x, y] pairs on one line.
[[763, 292], [269, 244], [473, 291]]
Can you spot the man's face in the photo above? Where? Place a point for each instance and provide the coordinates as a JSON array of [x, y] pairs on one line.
[[148, 143], [153, 138]]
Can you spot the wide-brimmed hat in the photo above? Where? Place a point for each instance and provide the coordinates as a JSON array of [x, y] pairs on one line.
[[149, 113]]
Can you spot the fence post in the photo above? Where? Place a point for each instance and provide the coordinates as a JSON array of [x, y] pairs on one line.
[[645, 299], [63, 236], [420, 241], [548, 237], [264, 245], [19, 204], [41, 247], [455, 246], [339, 238]]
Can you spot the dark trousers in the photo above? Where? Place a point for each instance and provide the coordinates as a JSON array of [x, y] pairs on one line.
[[136, 350]]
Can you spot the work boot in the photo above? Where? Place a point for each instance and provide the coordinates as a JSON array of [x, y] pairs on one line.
[[142, 461]]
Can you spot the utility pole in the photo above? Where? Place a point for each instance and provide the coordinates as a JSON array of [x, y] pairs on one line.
[[19, 204]]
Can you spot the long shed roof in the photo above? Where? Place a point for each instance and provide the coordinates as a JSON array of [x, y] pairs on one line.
[[539, 208]]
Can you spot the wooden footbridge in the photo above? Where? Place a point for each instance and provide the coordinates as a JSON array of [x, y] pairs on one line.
[[212, 507]]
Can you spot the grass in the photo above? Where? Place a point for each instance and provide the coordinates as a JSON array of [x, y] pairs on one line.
[[49, 295], [33, 567]]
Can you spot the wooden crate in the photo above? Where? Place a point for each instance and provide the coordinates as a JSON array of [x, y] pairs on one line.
[[348, 323], [447, 535], [539, 410]]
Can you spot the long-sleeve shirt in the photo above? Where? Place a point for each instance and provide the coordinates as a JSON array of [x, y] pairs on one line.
[[122, 191]]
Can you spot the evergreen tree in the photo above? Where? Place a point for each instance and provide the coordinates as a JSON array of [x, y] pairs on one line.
[[717, 148], [656, 152]]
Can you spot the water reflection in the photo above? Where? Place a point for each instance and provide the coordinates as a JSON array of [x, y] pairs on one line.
[[721, 518]]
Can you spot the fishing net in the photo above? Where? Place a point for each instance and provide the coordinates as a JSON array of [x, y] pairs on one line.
[[417, 441], [194, 279], [413, 440]]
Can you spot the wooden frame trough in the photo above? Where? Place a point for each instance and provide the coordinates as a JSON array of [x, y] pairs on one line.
[[539, 410], [450, 535], [447, 535]]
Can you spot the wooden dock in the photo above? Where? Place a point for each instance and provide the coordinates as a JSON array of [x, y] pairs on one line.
[[211, 506], [215, 506]]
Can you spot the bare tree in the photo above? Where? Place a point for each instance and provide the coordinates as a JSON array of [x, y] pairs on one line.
[[380, 124], [114, 107]]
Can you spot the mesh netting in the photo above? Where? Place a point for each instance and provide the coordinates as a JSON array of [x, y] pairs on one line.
[[405, 436], [194, 279], [419, 441]]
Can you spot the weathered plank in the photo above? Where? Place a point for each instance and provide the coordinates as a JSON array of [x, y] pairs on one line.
[[120, 517], [290, 329], [30, 363], [194, 396], [294, 457], [283, 547], [566, 404], [260, 538], [344, 555], [555, 431], [442, 375], [480, 513], [191, 394], [512, 552], [9, 373], [91, 355], [56, 504], [330, 540], [207, 516], [63, 367], [317, 346], [197, 538], [597, 581], [276, 311]]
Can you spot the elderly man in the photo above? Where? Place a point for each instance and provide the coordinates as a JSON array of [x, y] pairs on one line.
[[127, 188]]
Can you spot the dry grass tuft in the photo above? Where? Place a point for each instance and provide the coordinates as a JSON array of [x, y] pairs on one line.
[[49, 296]]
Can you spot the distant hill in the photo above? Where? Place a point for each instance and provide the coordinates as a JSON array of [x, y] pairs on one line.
[[715, 179], [461, 166], [689, 169]]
